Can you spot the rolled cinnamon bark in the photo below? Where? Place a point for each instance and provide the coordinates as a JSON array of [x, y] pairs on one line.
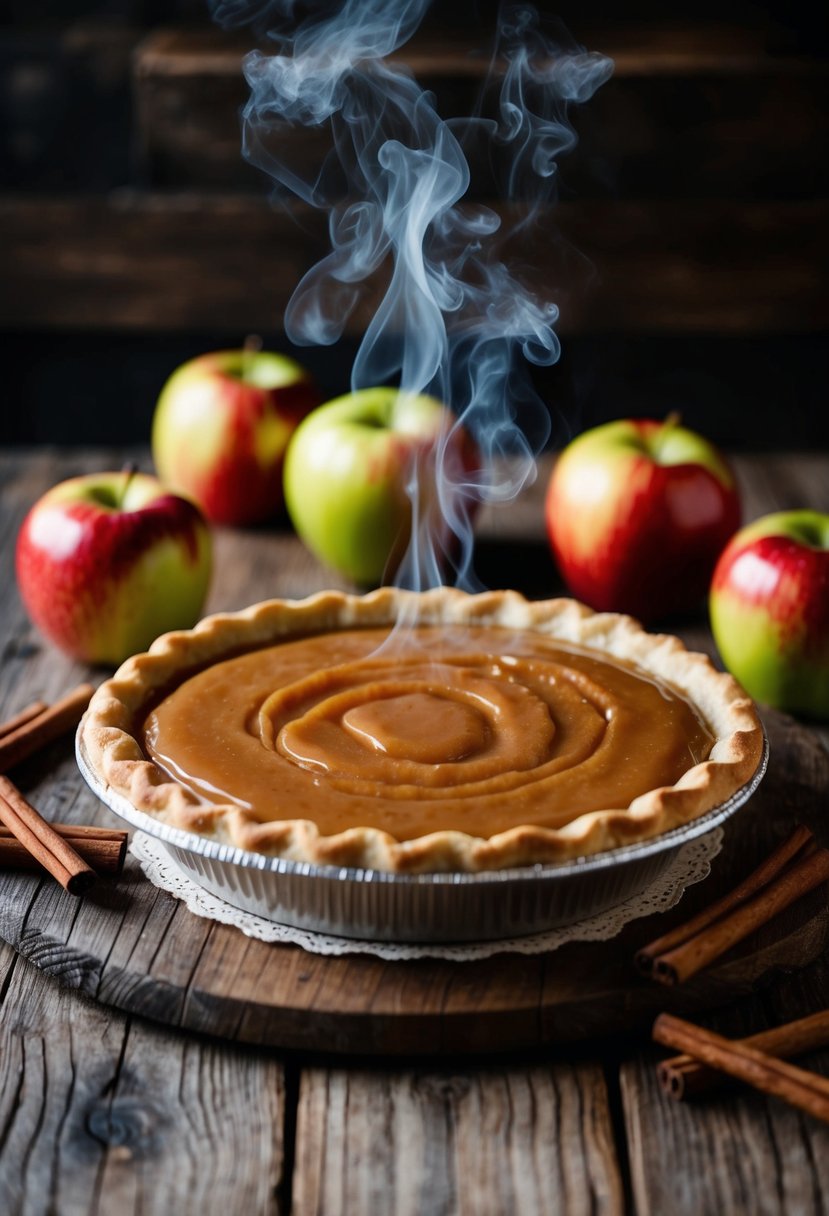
[[682, 1076], [104, 849], [765, 873], [37, 731], [799, 1088], [41, 840], [20, 719], [808, 871]]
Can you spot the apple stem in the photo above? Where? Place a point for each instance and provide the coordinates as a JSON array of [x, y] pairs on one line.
[[250, 347], [672, 421], [129, 470]]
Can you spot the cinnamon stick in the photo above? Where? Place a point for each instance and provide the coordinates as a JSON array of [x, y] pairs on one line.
[[765, 873], [31, 711], [799, 1088], [808, 871], [682, 1076], [52, 722], [41, 840], [87, 831], [104, 849]]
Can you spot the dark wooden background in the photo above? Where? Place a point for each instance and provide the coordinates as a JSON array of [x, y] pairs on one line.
[[133, 235]]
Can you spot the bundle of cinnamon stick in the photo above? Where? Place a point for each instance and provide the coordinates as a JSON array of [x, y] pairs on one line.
[[685, 1076], [795, 867], [38, 724], [755, 1060], [72, 854]]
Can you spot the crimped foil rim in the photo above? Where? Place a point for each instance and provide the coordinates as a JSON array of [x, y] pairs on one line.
[[553, 871]]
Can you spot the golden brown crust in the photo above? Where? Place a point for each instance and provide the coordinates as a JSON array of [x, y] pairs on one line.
[[117, 757]]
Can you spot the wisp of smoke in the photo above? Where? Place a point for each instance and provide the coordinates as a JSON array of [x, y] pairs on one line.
[[455, 320]]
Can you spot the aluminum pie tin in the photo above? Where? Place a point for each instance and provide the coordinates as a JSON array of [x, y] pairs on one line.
[[376, 905]]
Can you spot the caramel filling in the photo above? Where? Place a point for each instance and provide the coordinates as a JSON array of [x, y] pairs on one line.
[[479, 730]]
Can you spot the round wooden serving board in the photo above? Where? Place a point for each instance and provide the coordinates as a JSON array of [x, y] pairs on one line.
[[135, 947]]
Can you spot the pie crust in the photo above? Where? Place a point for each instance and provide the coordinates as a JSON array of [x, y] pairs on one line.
[[111, 731]]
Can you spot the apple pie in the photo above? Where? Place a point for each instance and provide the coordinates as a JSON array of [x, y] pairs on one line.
[[422, 732]]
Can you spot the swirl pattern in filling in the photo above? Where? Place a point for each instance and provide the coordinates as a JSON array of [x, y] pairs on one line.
[[477, 730]]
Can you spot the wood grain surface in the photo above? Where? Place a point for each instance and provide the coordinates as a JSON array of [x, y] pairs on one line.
[[692, 110], [105, 1112], [138, 261], [553, 1128], [107, 1115]]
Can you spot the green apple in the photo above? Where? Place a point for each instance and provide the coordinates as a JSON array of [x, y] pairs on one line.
[[638, 512], [346, 474], [221, 427], [770, 610], [107, 562]]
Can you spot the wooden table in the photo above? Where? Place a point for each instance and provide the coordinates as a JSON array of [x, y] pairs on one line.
[[102, 1112]]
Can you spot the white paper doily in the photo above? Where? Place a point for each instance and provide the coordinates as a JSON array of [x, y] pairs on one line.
[[691, 865]]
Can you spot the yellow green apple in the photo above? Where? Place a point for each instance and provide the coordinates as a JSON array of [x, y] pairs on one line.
[[348, 468]]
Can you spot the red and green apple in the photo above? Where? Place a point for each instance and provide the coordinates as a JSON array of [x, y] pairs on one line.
[[770, 610], [347, 470], [637, 513], [221, 427], [108, 561]]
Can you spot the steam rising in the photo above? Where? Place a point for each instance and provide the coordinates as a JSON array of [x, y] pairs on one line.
[[454, 319]]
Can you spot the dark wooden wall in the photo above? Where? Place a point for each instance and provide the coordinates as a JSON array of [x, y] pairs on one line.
[[132, 233]]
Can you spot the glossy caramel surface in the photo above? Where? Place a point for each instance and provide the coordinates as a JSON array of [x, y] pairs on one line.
[[477, 729]]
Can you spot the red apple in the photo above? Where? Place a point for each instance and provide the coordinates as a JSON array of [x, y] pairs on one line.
[[770, 610], [348, 470], [221, 427], [637, 513], [107, 562]]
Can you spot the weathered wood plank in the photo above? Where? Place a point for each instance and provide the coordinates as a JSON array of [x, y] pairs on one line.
[[651, 48], [535, 1139], [691, 110], [138, 262], [99, 1114]]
